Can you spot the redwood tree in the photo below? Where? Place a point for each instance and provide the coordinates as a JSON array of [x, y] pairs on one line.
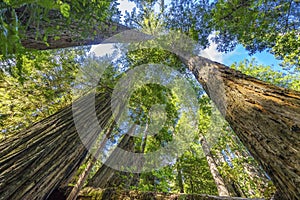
[[266, 118], [37, 160]]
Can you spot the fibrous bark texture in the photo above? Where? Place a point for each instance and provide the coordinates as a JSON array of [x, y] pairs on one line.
[[58, 32], [266, 118], [108, 177], [37, 160], [84, 175]]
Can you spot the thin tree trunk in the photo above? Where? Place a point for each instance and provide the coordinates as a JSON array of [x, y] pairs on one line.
[[233, 188], [84, 175], [180, 179], [37, 160], [237, 188], [252, 170], [107, 176], [222, 190]]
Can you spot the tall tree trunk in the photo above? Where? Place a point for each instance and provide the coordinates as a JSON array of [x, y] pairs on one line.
[[84, 175], [180, 179], [65, 34], [266, 119], [222, 190], [66, 38], [109, 177], [37, 160]]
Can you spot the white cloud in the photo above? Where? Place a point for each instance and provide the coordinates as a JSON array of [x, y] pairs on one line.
[[102, 49], [211, 52], [225, 58], [125, 5]]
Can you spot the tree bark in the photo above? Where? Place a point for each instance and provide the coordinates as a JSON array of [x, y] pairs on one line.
[[180, 179], [266, 118], [222, 190], [37, 160], [66, 38], [84, 175], [108, 177], [74, 33], [113, 194]]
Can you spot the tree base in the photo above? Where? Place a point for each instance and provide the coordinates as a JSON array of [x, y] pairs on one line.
[[116, 194]]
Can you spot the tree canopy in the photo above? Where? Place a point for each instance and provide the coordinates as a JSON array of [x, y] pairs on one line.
[[40, 77]]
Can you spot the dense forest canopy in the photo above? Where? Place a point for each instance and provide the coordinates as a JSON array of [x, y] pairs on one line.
[[245, 147]]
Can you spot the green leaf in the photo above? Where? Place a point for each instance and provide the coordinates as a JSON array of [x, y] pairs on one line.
[[65, 10]]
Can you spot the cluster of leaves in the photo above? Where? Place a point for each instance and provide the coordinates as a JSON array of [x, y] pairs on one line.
[[259, 25], [47, 17], [39, 88], [144, 98], [191, 18], [196, 175], [189, 174], [36, 84], [144, 18], [286, 79]]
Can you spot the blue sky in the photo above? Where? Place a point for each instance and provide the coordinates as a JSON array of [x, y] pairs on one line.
[[239, 54]]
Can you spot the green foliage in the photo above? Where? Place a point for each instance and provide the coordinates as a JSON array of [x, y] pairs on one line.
[[195, 171], [143, 99], [287, 48], [259, 25], [47, 17], [65, 9], [37, 89], [34, 85], [285, 79], [154, 55], [9, 27], [239, 169], [190, 18], [196, 174]]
